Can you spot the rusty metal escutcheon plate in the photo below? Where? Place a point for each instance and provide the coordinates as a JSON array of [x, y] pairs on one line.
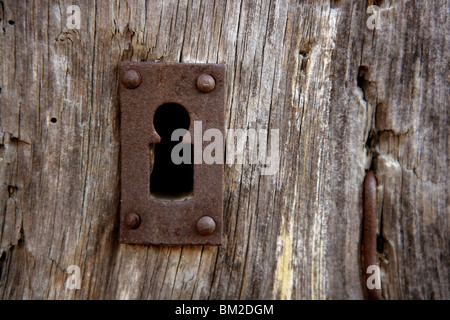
[[145, 219]]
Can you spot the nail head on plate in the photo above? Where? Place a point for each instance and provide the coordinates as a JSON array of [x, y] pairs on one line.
[[133, 220], [131, 79], [206, 83], [206, 226]]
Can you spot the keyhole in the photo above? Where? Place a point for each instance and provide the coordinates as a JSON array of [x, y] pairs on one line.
[[170, 181]]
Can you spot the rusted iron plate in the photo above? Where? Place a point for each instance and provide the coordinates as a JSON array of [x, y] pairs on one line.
[[144, 219]]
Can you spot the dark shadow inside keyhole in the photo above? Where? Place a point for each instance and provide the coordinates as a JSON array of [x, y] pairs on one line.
[[170, 181]]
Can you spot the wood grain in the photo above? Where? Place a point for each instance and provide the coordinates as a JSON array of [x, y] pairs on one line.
[[345, 99]]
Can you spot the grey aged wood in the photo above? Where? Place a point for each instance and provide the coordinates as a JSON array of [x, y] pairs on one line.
[[344, 97]]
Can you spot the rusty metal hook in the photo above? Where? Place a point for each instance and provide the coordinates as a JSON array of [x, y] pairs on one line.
[[369, 241]]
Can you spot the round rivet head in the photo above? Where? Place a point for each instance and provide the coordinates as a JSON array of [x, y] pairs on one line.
[[206, 226], [131, 79], [133, 220], [206, 83]]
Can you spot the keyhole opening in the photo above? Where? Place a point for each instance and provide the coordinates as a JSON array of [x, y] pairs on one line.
[[170, 181]]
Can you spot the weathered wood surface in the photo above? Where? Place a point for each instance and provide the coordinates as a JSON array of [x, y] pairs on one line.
[[344, 97]]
